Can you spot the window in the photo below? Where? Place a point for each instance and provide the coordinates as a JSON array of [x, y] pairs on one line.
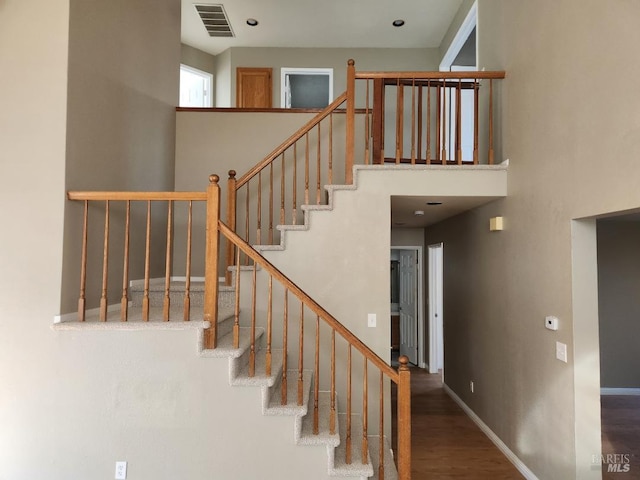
[[195, 87], [306, 87]]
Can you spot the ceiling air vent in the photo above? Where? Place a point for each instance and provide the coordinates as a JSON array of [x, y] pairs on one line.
[[215, 20]]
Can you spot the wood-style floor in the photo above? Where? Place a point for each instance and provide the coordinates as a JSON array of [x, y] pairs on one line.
[[621, 433], [446, 444]]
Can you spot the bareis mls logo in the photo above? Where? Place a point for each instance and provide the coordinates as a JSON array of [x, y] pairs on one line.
[[615, 462]]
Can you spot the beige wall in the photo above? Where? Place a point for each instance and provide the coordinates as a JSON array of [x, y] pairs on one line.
[[123, 76], [367, 59], [618, 303], [197, 59], [571, 157], [223, 80]]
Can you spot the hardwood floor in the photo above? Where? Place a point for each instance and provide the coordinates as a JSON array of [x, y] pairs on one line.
[[621, 434], [446, 444]]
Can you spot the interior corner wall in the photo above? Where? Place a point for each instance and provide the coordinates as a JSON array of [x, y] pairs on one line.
[[367, 59], [195, 58], [619, 303], [456, 23], [569, 159], [123, 87], [224, 85]]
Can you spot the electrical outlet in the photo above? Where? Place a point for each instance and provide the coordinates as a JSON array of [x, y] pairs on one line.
[[121, 470], [371, 320]]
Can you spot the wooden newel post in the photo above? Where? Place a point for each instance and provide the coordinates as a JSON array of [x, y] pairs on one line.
[[351, 118], [404, 420], [231, 223], [211, 262]]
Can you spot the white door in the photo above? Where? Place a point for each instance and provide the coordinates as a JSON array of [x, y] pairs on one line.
[[436, 330], [409, 305]]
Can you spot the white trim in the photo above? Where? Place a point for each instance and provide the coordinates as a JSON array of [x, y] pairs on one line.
[[284, 71], [421, 350], [208, 78], [469, 23], [519, 464], [619, 391], [434, 341]]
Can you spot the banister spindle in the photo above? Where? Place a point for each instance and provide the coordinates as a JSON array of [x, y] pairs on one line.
[[285, 330], [306, 169], [381, 448], [236, 311], [269, 328], [147, 265], [105, 266], [316, 379], [413, 121], [301, 356], [246, 219], [420, 88], [365, 414], [439, 114], [348, 434], [399, 119], [446, 123], [124, 301], [166, 304], [332, 413], [282, 192], [252, 351], [271, 203], [318, 171], [490, 121], [186, 315], [259, 211], [459, 122], [367, 133], [294, 200], [350, 125], [428, 154], [232, 196], [475, 121], [82, 302], [330, 167]]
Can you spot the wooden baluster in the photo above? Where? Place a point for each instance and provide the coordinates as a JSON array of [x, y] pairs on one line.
[[351, 118], [232, 196], [246, 221], [259, 211], [490, 121], [282, 194], [365, 414], [348, 434], [446, 126], [367, 133], [294, 210], [316, 379], [381, 448], [186, 315], [439, 122], [318, 172], [399, 120], [475, 121], [166, 304], [105, 266], [459, 123], [332, 414], [377, 122], [404, 420], [285, 329], [301, 356], [252, 351], [271, 203], [330, 168], [269, 328], [147, 266], [429, 122], [236, 311], [413, 121], [306, 169], [211, 262], [124, 301], [82, 301], [420, 123]]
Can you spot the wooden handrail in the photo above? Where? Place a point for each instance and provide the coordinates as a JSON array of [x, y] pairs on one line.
[[146, 196], [291, 140], [497, 74], [308, 301]]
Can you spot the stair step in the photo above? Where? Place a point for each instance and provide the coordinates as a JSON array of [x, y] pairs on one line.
[[260, 378], [390, 471], [225, 343], [292, 408], [324, 435], [340, 466], [226, 295]]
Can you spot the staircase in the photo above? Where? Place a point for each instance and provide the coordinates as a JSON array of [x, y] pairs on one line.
[[273, 401]]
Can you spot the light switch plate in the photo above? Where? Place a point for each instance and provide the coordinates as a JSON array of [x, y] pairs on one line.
[[561, 352], [371, 320]]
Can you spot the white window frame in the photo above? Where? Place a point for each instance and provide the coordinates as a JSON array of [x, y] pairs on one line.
[[207, 77], [285, 92]]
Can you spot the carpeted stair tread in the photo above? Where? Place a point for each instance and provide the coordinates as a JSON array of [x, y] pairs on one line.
[[292, 408], [225, 344], [340, 466], [324, 436], [260, 378], [390, 471]]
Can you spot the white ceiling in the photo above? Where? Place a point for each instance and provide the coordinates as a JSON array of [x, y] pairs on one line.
[[403, 208], [324, 23]]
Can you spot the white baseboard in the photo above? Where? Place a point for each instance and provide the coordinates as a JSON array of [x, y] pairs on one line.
[[620, 391], [522, 468]]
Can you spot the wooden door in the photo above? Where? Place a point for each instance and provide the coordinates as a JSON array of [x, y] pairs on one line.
[[253, 87]]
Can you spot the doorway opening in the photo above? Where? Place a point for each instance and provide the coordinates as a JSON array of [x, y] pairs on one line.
[[407, 304]]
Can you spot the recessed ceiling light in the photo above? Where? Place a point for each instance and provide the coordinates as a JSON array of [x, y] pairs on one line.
[[398, 23], [433, 204], [418, 213], [252, 22]]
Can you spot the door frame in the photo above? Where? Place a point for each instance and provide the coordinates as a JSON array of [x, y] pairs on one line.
[[420, 296], [436, 334]]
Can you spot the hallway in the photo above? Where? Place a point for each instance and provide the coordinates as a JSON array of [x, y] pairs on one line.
[[446, 444]]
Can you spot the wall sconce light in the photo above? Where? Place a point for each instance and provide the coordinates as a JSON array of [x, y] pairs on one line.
[[496, 224]]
